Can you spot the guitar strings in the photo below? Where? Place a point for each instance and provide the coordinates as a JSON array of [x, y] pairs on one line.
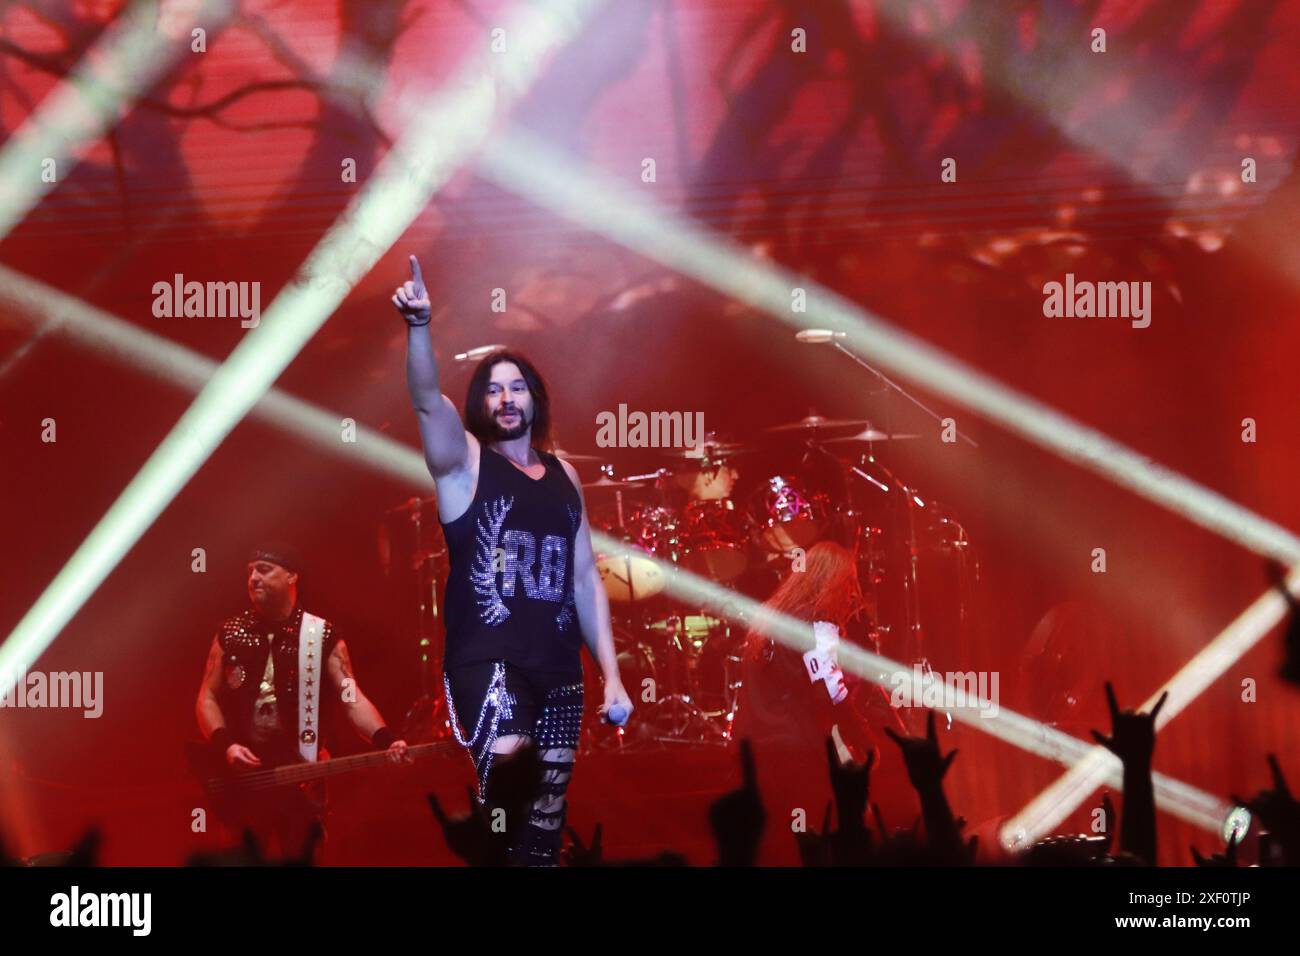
[[295, 773]]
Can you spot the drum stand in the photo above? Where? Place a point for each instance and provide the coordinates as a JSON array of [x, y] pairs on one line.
[[428, 718], [914, 641], [653, 721], [685, 721]]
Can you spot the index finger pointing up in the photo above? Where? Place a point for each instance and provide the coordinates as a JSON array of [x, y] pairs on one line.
[[416, 275]]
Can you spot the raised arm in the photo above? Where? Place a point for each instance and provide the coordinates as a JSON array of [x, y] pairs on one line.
[[1133, 741], [446, 445]]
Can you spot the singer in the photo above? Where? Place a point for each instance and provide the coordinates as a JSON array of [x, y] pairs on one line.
[[523, 592]]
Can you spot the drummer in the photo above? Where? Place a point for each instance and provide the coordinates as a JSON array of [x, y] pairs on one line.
[[713, 480], [714, 477]]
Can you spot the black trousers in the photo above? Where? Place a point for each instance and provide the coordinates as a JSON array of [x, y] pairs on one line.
[[494, 699]]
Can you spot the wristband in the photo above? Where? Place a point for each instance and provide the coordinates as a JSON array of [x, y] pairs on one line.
[[419, 325], [221, 740], [822, 661], [382, 739]]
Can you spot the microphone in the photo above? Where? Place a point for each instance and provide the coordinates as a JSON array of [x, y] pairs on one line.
[[817, 336], [616, 715], [473, 355]]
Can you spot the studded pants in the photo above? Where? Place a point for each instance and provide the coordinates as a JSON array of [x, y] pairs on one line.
[[495, 699]]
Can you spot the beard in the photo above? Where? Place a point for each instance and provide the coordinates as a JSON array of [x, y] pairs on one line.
[[517, 430], [263, 600]]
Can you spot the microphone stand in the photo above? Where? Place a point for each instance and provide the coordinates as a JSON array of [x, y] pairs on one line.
[[911, 583], [899, 389]]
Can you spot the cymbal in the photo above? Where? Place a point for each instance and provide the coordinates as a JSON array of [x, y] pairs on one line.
[[711, 450], [577, 457], [814, 422], [868, 434], [606, 483]]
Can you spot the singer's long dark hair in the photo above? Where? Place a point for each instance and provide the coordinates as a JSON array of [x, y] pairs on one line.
[[477, 421]]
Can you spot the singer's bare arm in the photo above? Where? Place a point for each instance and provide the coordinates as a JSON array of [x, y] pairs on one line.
[[593, 607], [450, 452], [446, 443]]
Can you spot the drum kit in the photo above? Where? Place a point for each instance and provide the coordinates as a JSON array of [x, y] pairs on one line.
[[681, 662]]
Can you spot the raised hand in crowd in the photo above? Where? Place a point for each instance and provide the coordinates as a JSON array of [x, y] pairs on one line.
[[578, 853], [1290, 669], [926, 768], [738, 817], [1133, 734], [85, 853], [1279, 813], [815, 845], [851, 783], [483, 836], [850, 844], [1133, 740], [1228, 858], [471, 836]]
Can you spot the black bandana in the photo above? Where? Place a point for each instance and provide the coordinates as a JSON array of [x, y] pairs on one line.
[[281, 554]]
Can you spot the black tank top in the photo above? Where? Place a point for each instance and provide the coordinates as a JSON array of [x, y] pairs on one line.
[[510, 588]]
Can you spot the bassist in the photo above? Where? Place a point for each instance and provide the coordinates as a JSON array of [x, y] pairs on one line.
[[275, 674]]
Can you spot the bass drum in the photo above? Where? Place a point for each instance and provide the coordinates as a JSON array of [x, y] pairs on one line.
[[639, 669], [650, 538]]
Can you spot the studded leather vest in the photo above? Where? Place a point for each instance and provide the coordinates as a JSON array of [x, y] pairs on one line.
[[245, 641]]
